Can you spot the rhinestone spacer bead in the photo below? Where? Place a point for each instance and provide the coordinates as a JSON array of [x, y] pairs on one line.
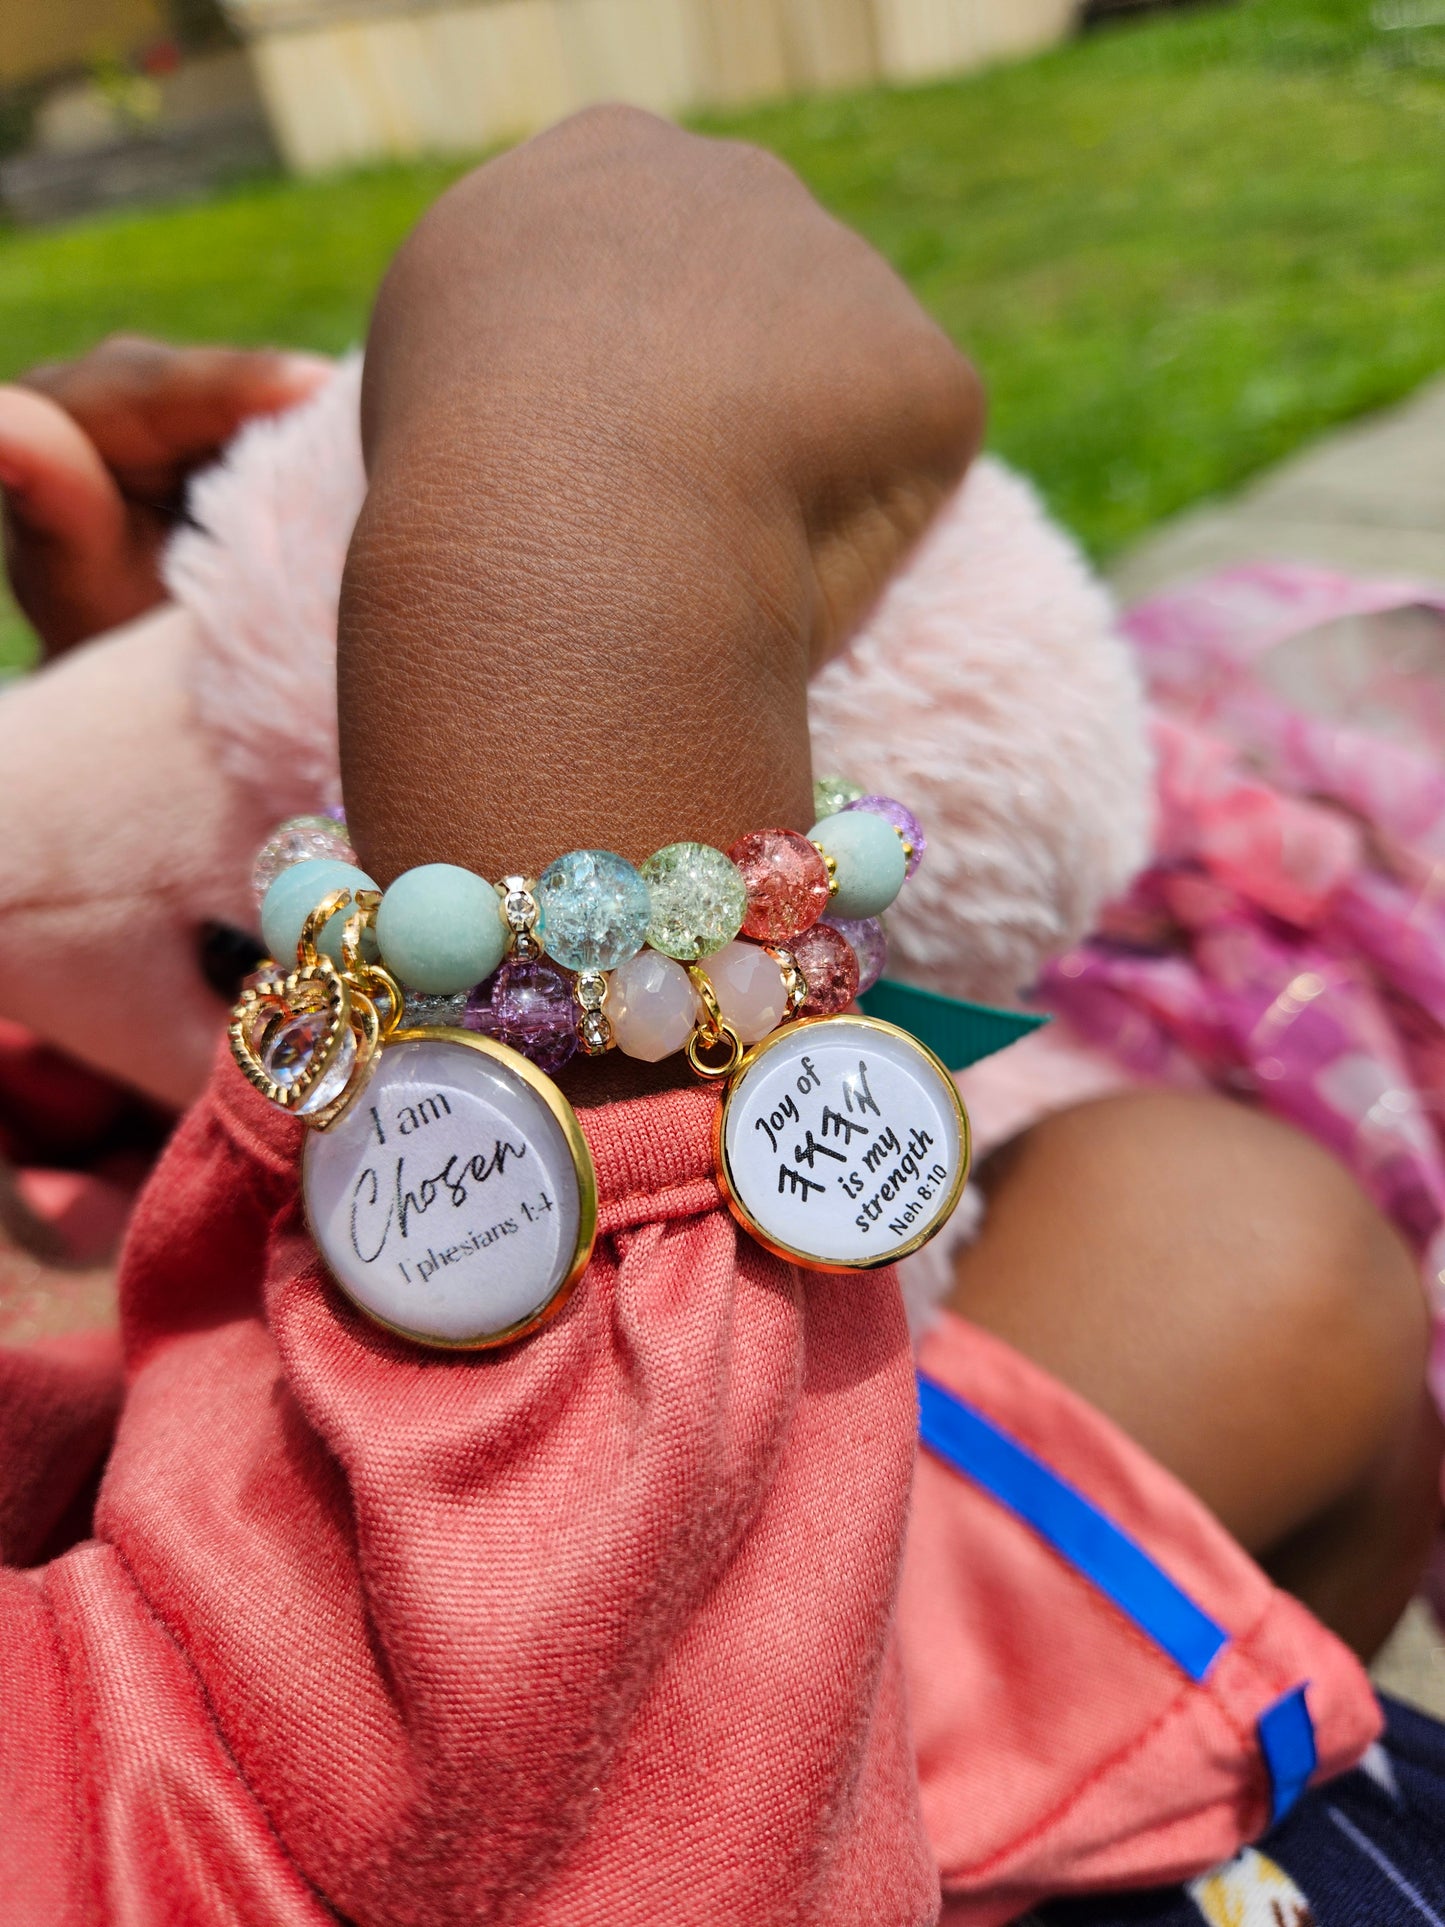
[[592, 989], [794, 984], [521, 913], [595, 1033], [594, 1028]]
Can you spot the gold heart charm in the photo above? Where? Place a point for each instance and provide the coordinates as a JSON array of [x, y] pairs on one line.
[[307, 1042]]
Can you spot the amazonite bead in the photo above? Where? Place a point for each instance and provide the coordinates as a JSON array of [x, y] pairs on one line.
[[440, 929], [296, 893], [870, 859]]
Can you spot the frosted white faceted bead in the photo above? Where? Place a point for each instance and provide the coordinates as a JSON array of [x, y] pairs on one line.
[[653, 1006], [749, 988]]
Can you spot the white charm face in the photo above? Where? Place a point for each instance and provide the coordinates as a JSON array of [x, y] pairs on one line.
[[843, 1143], [455, 1201]]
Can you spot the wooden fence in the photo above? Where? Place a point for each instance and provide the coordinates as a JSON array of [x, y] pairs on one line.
[[357, 80], [39, 37]]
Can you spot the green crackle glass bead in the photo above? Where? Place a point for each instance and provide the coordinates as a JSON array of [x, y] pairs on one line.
[[834, 793], [699, 900]]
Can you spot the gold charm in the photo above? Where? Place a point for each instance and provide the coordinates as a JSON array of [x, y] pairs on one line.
[[456, 1203], [309, 1041], [841, 1143]]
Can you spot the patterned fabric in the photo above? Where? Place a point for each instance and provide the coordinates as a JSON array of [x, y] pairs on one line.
[[1287, 941], [1368, 1850]]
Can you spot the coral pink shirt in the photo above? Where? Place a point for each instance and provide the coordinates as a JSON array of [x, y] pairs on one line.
[[602, 1628]]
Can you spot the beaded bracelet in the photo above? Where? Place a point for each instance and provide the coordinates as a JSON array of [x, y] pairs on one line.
[[473, 954], [419, 1029]]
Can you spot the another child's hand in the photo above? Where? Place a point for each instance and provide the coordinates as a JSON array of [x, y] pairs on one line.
[[95, 455]]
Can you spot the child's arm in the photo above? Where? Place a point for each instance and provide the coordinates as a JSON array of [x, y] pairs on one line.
[[600, 1627], [647, 432]]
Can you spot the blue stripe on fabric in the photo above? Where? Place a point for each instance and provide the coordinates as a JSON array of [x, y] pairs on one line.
[[1287, 1741], [1073, 1526]]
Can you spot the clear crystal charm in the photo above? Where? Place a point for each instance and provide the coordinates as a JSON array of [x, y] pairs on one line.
[[289, 1054]]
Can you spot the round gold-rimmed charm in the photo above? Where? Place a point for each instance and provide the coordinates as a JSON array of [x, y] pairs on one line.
[[842, 1143], [456, 1203]]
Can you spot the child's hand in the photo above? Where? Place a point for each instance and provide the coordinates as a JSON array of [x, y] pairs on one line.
[[95, 455]]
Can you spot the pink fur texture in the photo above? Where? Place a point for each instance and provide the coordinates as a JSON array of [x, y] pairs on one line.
[[990, 690], [992, 693], [261, 568]]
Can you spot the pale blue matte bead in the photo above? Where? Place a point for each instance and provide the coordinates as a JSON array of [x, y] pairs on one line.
[[870, 859], [440, 929], [296, 893]]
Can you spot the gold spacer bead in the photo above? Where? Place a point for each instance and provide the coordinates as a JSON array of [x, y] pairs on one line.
[[831, 863]]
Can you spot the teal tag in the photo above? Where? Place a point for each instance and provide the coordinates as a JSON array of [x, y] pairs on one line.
[[960, 1033]]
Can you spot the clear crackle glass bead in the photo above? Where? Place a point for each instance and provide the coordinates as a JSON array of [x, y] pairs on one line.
[[528, 1004], [699, 900], [869, 944], [296, 841], [423, 1010], [596, 909]]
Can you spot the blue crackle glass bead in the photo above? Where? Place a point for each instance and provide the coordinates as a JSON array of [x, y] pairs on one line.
[[597, 910]]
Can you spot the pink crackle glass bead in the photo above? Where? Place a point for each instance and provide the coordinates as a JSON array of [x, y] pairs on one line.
[[529, 1005], [902, 819], [869, 945], [787, 884], [829, 967]]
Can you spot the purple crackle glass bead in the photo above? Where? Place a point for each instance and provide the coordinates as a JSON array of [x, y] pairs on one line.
[[528, 1004], [902, 819], [870, 947], [478, 1014]]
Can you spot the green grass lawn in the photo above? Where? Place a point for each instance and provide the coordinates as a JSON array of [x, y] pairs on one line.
[[1176, 248]]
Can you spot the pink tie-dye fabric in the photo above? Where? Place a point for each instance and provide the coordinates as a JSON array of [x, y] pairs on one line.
[[1287, 940]]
